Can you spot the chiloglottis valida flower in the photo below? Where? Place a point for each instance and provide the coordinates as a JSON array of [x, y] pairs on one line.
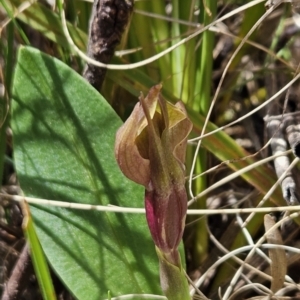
[[150, 150]]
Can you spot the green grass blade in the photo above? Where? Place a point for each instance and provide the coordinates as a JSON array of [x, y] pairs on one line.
[[47, 21], [37, 255]]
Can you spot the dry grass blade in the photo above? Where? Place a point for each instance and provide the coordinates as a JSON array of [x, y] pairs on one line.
[[277, 256], [270, 298]]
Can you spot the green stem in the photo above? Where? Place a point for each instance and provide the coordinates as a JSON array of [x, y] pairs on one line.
[[172, 279], [202, 105], [5, 101], [206, 59]]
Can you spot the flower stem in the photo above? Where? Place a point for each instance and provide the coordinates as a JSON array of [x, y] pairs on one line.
[[172, 278]]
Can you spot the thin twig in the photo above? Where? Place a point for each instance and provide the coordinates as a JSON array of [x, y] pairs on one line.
[[267, 196], [233, 176], [118, 209]]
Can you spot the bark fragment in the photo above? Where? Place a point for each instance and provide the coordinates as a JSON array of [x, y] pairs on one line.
[[108, 22]]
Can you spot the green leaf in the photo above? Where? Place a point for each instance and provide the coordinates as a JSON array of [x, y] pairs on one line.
[[64, 135]]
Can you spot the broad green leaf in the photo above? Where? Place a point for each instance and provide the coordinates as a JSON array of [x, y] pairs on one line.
[[64, 134]]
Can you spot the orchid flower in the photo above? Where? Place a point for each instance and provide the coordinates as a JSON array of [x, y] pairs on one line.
[[150, 150]]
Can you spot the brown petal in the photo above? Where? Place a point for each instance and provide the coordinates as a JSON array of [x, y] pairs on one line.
[[179, 134], [131, 141], [131, 163]]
